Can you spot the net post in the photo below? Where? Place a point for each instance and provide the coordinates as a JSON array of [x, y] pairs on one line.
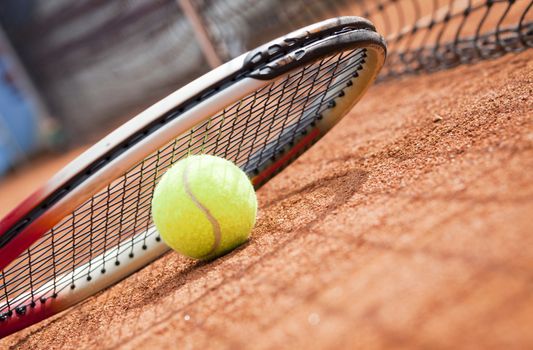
[[206, 44]]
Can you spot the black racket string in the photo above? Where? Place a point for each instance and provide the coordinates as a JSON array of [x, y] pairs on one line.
[[118, 217]]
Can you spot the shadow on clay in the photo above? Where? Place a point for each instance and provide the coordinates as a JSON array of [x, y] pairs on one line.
[[339, 187]]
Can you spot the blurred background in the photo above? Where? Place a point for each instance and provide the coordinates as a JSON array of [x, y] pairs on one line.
[[71, 70]]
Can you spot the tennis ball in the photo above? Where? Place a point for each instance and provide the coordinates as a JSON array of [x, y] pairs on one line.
[[204, 206]]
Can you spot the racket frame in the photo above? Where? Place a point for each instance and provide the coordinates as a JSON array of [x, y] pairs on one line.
[[115, 154]]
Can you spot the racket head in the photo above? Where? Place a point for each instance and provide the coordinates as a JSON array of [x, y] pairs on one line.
[[90, 225]]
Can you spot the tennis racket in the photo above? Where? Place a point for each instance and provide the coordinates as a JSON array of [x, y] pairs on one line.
[[90, 225]]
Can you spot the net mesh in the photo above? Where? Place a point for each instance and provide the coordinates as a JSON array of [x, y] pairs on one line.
[[117, 218], [422, 35]]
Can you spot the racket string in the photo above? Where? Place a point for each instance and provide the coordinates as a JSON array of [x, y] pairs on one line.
[[117, 218]]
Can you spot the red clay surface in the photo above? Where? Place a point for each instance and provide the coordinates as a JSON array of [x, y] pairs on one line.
[[408, 226]]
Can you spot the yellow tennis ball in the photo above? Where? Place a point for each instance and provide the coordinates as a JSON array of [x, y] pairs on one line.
[[204, 206]]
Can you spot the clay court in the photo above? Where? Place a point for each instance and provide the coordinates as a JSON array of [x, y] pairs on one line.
[[408, 226]]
